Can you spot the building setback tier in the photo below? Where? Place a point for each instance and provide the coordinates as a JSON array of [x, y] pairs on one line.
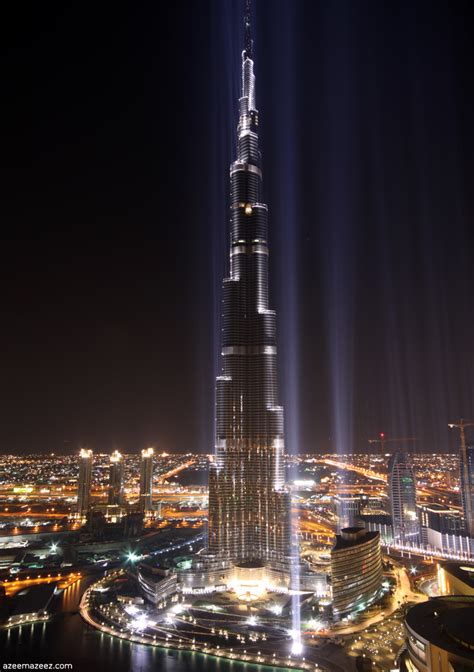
[[249, 503]]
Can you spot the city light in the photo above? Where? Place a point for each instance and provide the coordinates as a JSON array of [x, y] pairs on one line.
[[297, 645], [140, 622], [357, 553]]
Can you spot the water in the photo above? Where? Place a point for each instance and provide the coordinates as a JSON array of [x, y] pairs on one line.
[[67, 639]]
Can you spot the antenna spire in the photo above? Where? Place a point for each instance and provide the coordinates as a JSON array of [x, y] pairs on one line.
[[248, 28]]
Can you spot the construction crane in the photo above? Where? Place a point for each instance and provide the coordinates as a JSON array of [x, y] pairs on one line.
[[383, 440], [465, 484]]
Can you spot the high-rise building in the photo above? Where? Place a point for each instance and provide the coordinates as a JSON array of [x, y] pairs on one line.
[[356, 570], [402, 494], [467, 488], [146, 481], [116, 478], [85, 482], [249, 503]]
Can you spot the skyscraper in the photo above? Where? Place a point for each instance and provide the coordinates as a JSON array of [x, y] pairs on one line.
[[466, 469], [249, 504], [402, 493], [146, 481], [116, 478], [467, 488], [85, 480]]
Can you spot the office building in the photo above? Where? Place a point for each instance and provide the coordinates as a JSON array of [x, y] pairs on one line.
[[115, 495], [467, 488], [356, 571], [442, 529], [84, 483], [378, 522], [347, 510], [402, 495], [146, 482]]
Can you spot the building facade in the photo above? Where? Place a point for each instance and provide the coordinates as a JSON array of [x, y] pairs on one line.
[[347, 510], [439, 636], [467, 488], [156, 583], [249, 503], [455, 579], [402, 494], [442, 529], [146, 482], [85, 482], [115, 494], [356, 571], [378, 522]]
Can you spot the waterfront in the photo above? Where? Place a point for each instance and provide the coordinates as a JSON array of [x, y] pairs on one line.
[[68, 639]]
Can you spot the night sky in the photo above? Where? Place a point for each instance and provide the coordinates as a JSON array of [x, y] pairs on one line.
[[119, 131]]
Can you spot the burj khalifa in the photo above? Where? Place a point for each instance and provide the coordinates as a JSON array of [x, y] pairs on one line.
[[249, 503]]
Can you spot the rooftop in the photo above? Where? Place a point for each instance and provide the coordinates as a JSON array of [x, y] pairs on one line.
[[353, 536], [36, 599], [445, 622]]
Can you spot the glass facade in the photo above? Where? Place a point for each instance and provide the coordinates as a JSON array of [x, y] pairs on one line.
[[115, 494], [356, 570], [146, 481], [249, 504], [467, 489], [402, 492], [85, 481]]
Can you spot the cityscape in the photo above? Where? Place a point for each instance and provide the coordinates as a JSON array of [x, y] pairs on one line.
[[267, 547]]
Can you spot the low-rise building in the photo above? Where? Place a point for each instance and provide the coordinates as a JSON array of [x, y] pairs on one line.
[[157, 583], [455, 579], [440, 636]]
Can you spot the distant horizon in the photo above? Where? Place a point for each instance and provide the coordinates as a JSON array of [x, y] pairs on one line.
[[159, 453]]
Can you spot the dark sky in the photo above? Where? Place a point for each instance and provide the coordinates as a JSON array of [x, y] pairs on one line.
[[118, 134]]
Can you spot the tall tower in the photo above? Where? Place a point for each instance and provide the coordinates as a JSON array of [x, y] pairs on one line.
[[146, 481], [85, 480], [249, 504], [116, 478], [466, 469], [467, 488], [402, 493]]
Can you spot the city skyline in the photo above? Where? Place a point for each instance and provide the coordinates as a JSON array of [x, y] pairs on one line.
[[91, 332], [208, 458]]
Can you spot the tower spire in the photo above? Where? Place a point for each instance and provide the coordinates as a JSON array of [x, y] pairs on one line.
[[248, 28]]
